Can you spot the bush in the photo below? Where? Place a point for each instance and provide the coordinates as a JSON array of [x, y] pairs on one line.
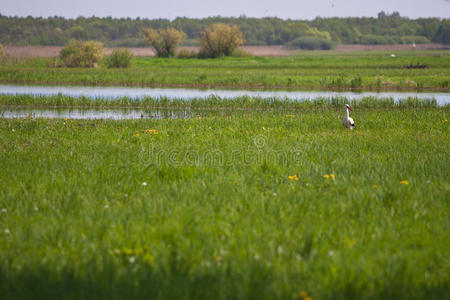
[[371, 39], [82, 53], [410, 39], [184, 53], [220, 40], [310, 43], [120, 58], [163, 41], [239, 52]]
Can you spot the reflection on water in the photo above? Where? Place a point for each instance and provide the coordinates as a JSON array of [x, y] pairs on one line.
[[172, 93], [112, 114]]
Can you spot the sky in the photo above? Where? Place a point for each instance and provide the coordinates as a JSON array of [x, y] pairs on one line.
[[170, 9]]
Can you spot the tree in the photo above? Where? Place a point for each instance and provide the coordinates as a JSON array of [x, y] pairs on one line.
[[81, 53], [443, 34], [220, 39], [163, 41]]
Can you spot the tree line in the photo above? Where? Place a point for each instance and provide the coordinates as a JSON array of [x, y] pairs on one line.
[[384, 29]]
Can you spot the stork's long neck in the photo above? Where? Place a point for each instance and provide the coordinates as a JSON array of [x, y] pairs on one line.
[[346, 113]]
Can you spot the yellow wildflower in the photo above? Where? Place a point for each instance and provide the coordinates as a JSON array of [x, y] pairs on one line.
[[374, 186], [303, 294], [136, 135], [307, 298], [326, 176], [127, 251], [444, 121], [405, 182], [293, 177], [218, 258], [289, 116], [151, 131], [332, 176]]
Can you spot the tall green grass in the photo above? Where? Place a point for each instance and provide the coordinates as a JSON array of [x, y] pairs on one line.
[[138, 209], [214, 102]]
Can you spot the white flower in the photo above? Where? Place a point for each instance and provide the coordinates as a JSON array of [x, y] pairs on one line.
[[7, 231], [106, 206], [132, 259], [331, 253], [144, 183], [36, 208], [4, 210]]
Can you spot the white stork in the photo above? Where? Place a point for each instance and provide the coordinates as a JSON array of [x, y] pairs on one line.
[[347, 121]]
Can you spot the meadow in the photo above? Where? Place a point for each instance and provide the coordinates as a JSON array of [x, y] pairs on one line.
[[247, 199], [320, 70]]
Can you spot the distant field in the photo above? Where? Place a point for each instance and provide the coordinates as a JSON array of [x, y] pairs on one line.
[[320, 70], [53, 51]]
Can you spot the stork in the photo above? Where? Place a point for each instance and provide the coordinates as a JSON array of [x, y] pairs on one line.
[[347, 121]]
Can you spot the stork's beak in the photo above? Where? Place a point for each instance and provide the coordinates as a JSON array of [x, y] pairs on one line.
[[350, 108]]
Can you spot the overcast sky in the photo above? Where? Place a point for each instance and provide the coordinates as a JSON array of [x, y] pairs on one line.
[[293, 9]]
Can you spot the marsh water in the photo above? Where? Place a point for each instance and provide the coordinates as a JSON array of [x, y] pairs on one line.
[[172, 93], [90, 113], [176, 93]]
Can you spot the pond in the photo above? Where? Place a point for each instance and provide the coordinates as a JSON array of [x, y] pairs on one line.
[[172, 93]]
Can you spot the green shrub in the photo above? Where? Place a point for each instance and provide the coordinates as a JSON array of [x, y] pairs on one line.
[[184, 53], [120, 58], [410, 39], [82, 53], [310, 43], [371, 39], [239, 52]]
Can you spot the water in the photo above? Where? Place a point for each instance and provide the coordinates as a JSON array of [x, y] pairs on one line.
[[77, 113], [172, 93]]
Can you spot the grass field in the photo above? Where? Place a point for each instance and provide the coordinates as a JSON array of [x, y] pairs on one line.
[[276, 201], [308, 70]]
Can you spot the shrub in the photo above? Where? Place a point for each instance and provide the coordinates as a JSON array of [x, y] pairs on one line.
[[163, 41], [220, 40], [310, 43], [120, 58], [371, 39], [184, 53], [81, 53], [410, 39], [239, 52]]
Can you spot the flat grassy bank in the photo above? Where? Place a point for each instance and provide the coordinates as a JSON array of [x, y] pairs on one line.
[[258, 204], [408, 70]]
